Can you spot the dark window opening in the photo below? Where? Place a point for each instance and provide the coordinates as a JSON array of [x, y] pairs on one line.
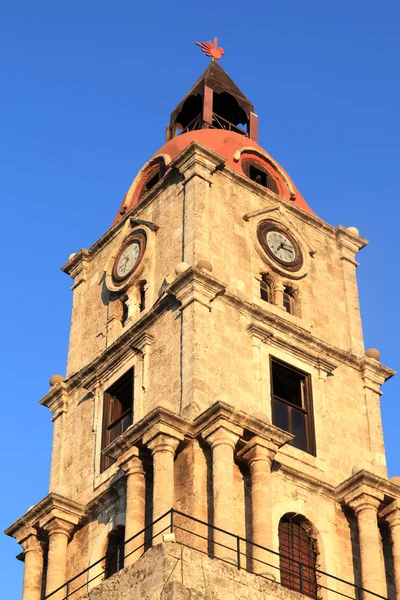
[[156, 173], [288, 300], [265, 290], [292, 404], [298, 556], [115, 552], [117, 413], [257, 173], [142, 292]]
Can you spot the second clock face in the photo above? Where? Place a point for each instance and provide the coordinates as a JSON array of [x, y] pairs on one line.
[[128, 259], [281, 246]]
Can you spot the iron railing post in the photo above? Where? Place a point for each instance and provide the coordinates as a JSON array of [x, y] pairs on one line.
[[358, 593], [67, 591], [238, 551], [172, 521]]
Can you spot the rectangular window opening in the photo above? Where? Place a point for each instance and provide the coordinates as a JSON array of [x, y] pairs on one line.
[[292, 404], [117, 413]]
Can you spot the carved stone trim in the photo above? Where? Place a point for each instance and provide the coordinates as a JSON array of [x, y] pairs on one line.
[[194, 285], [368, 483], [52, 506], [57, 399]]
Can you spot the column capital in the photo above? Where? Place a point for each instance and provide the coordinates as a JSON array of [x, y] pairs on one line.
[[162, 437], [258, 449], [56, 525], [391, 514], [163, 443], [222, 432], [31, 543], [364, 497], [130, 462]]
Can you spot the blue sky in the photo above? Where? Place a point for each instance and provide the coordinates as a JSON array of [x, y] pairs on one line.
[[86, 91]]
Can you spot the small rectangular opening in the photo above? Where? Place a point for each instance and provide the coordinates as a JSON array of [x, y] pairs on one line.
[[117, 413], [292, 404], [258, 176]]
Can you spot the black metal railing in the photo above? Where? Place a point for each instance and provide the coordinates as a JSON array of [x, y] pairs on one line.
[[227, 547]]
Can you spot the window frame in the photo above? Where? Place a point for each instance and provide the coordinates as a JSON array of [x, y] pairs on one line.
[[290, 294], [271, 181], [266, 288], [114, 563], [307, 400], [107, 424], [290, 526]]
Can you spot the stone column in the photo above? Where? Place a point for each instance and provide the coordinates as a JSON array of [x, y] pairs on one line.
[[59, 532], [365, 507], [135, 505], [259, 456], [223, 437], [163, 447], [392, 516], [33, 569]]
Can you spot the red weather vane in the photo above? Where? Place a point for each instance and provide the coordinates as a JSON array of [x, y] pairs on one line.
[[211, 49]]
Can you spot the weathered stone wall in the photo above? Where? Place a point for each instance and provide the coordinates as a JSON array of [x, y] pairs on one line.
[[173, 572], [206, 352]]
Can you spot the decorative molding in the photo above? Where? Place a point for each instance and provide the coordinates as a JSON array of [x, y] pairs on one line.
[[300, 345], [262, 211], [76, 266], [57, 399], [195, 285], [364, 482], [51, 507], [161, 420]]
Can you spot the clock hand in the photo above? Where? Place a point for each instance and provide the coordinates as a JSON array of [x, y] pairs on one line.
[[287, 248]]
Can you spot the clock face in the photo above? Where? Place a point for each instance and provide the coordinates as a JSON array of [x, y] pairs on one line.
[[128, 258], [280, 245]]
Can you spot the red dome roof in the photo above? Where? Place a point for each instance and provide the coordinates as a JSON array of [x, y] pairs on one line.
[[229, 145]]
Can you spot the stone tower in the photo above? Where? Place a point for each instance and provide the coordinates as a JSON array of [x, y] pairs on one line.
[[216, 367]]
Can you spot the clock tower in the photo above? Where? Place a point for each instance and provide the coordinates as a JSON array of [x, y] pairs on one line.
[[218, 431]]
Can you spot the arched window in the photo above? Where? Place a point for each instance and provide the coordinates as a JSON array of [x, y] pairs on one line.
[[153, 175], [298, 555], [258, 173], [265, 289], [289, 300], [115, 552]]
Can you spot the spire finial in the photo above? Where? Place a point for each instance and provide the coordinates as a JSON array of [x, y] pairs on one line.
[[211, 49]]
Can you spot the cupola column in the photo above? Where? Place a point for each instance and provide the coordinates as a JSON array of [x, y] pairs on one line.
[[392, 516], [223, 437], [163, 445], [365, 506], [59, 533], [33, 569], [135, 504]]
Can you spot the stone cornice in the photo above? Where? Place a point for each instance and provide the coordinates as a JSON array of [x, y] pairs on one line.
[[52, 506], [160, 418], [76, 266], [194, 285], [57, 399], [349, 243], [374, 373], [250, 424], [365, 482]]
